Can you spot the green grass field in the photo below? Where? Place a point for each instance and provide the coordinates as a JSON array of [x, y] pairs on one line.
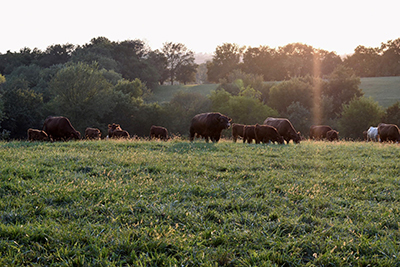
[[176, 203]]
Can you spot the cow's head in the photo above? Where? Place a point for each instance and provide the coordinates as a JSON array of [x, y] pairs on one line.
[[296, 137], [76, 135], [225, 121]]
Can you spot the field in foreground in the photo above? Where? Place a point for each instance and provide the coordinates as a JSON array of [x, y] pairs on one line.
[[138, 203]]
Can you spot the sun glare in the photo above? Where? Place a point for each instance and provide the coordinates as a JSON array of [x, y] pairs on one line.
[[317, 117]]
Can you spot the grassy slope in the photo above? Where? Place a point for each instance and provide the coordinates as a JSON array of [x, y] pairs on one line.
[[196, 204], [164, 93], [384, 90]]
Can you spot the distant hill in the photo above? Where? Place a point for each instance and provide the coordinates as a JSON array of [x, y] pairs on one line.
[[384, 90]]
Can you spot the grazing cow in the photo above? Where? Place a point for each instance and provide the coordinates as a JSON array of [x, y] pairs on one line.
[[318, 132], [266, 134], [60, 128], [332, 135], [237, 130], [93, 133], [37, 135], [388, 132], [209, 125], [158, 132], [372, 134], [249, 134], [285, 129]]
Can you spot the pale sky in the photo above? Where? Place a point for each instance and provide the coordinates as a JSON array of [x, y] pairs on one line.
[[338, 26]]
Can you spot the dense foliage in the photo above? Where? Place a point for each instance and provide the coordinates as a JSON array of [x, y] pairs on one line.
[[141, 203]]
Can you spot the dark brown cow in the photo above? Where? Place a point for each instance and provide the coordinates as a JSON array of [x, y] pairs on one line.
[[267, 133], [158, 132], [60, 128], [93, 133], [120, 134], [249, 134], [115, 131], [332, 135], [209, 125], [237, 130], [318, 132], [285, 129], [113, 127], [37, 135], [388, 132]]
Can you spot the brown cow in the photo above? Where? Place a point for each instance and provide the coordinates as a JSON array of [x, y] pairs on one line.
[[318, 132], [37, 135], [237, 130], [60, 128], [332, 135], [266, 134], [209, 125], [93, 133], [285, 129], [113, 127], [115, 131], [388, 132], [158, 132], [249, 134], [120, 134]]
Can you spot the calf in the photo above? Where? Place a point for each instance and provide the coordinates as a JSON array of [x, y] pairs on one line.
[[37, 135], [249, 134], [93, 133], [158, 132], [372, 134], [266, 134], [332, 135], [237, 130]]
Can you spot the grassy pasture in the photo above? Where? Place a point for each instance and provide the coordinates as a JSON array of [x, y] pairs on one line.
[[152, 203], [384, 90], [164, 93]]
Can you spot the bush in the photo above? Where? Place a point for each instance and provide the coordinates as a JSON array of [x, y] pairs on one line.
[[358, 116]]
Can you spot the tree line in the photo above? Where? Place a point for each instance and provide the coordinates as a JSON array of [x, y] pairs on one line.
[[299, 60], [104, 82]]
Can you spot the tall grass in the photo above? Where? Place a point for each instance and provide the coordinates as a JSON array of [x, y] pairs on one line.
[[137, 203]]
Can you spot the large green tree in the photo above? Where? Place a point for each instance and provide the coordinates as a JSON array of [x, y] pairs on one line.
[[82, 94], [226, 58], [180, 63], [343, 86]]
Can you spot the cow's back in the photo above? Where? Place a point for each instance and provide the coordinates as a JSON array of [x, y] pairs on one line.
[[284, 128], [389, 132]]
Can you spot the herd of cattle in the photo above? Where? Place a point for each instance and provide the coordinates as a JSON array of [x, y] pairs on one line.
[[210, 126]]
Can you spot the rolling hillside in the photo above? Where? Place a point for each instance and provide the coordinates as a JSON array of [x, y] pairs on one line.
[[384, 90]]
